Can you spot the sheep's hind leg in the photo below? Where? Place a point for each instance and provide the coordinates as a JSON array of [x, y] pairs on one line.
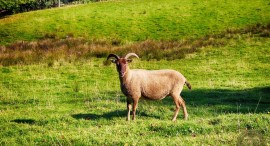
[[183, 105], [177, 104]]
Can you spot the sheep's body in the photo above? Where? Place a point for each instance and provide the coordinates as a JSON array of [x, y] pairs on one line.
[[150, 84]]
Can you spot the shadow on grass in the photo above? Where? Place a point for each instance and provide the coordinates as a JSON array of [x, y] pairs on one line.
[[109, 115], [24, 121], [255, 100]]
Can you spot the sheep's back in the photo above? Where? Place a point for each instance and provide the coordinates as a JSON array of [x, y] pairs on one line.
[[157, 84]]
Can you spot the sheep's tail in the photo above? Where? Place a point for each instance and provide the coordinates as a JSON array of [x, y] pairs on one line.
[[188, 85]]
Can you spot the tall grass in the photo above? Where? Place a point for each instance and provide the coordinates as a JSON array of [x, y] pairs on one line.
[[74, 49]]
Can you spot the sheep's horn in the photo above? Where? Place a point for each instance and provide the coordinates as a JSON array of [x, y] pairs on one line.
[[113, 55], [131, 54]]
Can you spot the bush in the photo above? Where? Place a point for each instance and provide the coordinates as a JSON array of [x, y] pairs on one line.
[[11, 7], [8, 7]]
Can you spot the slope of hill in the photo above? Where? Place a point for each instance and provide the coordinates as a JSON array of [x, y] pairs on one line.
[[135, 20]]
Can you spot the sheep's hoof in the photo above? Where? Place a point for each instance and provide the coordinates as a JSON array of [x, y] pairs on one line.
[[186, 117]]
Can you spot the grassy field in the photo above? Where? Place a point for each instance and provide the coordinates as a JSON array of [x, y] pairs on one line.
[[56, 90], [138, 20], [80, 103]]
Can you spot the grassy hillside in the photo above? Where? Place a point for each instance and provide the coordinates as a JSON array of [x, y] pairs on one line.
[[135, 20]]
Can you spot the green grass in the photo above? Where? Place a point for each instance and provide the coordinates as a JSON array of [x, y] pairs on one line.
[[53, 91], [138, 20], [80, 103]]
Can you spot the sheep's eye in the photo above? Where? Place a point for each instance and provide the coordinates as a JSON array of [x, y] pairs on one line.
[[113, 61]]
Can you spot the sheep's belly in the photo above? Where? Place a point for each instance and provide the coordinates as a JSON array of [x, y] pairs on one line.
[[154, 96]]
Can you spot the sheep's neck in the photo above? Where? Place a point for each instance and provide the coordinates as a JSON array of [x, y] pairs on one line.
[[124, 82], [125, 77]]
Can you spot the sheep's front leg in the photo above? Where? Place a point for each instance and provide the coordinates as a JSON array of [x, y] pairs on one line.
[[128, 109], [134, 107]]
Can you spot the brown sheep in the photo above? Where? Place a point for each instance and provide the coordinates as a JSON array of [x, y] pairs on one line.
[[150, 84]]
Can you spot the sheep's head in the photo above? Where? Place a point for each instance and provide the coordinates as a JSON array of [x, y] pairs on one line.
[[122, 62]]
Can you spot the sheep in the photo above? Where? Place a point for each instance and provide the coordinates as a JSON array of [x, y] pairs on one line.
[[149, 84]]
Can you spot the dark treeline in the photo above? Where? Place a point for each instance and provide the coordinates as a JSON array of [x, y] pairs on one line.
[[8, 7]]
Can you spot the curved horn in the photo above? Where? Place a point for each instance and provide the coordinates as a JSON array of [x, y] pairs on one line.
[[113, 55], [131, 54]]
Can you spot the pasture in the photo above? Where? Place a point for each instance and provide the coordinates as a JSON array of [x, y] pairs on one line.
[[58, 97], [80, 103]]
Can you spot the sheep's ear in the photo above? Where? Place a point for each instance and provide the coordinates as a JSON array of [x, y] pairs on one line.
[[129, 60]]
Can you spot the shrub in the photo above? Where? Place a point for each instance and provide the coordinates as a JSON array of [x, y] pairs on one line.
[[8, 7]]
